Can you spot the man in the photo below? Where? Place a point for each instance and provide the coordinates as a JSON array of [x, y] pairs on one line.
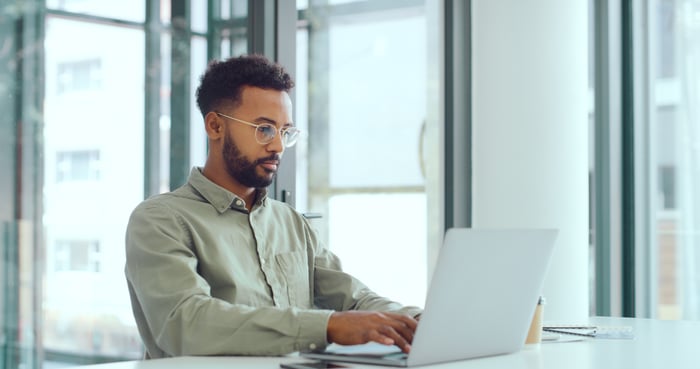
[[218, 268]]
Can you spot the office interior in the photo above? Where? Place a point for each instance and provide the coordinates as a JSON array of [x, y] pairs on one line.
[[418, 116]]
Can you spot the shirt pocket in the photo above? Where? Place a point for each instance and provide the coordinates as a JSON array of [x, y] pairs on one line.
[[294, 271]]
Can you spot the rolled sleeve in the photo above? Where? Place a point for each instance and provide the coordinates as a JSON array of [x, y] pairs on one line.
[[313, 330]]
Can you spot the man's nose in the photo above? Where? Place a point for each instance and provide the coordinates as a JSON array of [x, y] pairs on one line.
[[276, 145]]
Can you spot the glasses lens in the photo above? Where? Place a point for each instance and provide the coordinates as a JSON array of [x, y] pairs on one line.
[[290, 136], [265, 133]]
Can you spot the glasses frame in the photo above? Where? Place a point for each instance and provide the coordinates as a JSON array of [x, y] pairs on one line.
[[278, 131]]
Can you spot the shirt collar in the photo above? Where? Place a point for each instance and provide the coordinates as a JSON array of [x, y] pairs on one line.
[[220, 198]]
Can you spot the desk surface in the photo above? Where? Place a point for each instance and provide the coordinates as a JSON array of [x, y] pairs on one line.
[[656, 344]]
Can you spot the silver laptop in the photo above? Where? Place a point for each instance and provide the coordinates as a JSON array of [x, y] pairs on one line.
[[481, 300]]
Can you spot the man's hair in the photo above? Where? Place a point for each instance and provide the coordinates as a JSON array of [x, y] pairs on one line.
[[223, 80]]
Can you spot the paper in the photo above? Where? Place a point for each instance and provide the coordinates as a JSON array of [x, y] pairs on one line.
[[620, 333]]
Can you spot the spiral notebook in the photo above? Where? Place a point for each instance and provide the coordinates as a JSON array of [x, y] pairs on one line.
[[480, 302]]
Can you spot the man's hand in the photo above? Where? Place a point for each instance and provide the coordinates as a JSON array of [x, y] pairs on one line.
[[357, 327]]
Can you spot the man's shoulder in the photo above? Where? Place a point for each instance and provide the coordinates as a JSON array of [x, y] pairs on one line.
[[283, 208], [178, 198], [278, 205]]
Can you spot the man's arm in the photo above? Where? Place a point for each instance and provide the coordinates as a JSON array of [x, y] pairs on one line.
[[178, 312]]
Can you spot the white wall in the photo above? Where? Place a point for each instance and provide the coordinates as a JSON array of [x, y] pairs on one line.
[[530, 136]]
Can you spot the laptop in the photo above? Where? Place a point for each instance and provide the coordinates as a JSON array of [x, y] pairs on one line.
[[480, 302]]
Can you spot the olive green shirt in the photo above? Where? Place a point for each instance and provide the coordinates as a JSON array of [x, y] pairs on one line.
[[207, 277]]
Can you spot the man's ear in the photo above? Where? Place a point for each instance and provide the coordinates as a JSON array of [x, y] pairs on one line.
[[213, 126]]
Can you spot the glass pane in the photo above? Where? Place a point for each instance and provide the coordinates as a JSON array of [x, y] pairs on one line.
[[165, 12], [93, 179], [370, 111], [360, 166], [130, 10], [393, 231], [199, 16], [234, 9], [675, 158], [240, 8], [234, 34], [198, 136], [301, 119], [591, 156], [165, 69]]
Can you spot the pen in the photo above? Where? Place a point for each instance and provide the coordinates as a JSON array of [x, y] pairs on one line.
[[591, 334], [569, 327]]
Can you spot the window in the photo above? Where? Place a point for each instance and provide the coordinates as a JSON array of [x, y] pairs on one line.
[[673, 133], [667, 187], [93, 144], [76, 76], [77, 256], [130, 10], [77, 166], [362, 164]]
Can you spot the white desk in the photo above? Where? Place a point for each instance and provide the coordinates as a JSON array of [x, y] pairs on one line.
[[657, 344]]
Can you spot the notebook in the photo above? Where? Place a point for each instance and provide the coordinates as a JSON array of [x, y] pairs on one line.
[[480, 302]]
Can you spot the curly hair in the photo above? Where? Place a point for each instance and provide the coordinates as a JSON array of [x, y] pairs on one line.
[[223, 81]]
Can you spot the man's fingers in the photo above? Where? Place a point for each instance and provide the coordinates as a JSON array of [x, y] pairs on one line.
[[403, 331], [398, 339], [381, 327], [379, 337], [404, 326], [409, 321], [389, 336]]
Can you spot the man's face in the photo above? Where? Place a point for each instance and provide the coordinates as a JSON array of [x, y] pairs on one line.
[[249, 162], [245, 171]]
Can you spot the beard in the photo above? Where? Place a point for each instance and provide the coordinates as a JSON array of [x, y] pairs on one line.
[[242, 169]]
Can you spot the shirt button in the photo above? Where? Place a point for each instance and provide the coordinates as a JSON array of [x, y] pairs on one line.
[[312, 346], [239, 202], [262, 261]]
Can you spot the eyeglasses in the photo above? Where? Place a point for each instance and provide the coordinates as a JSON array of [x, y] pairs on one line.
[[266, 132]]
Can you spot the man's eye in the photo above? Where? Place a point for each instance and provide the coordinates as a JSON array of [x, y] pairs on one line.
[[268, 131]]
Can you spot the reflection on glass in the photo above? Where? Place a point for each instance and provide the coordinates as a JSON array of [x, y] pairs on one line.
[[675, 159], [93, 178]]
